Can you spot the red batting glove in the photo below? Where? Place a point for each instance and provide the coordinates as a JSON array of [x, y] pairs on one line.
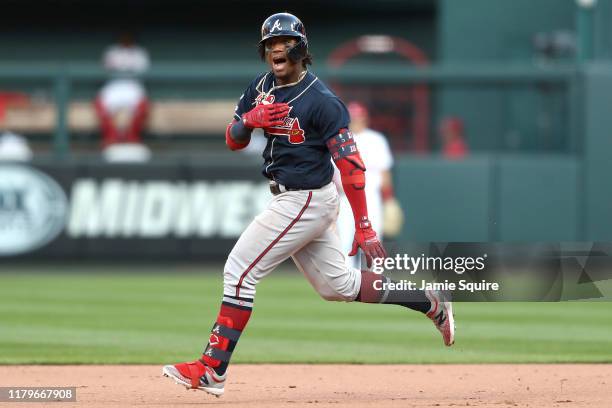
[[366, 239], [263, 116]]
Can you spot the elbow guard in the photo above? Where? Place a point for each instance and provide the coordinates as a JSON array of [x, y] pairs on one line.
[[231, 143], [348, 160]]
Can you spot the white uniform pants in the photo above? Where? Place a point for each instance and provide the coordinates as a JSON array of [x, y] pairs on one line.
[[301, 225]]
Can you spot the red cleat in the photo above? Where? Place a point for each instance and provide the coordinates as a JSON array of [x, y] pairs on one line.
[[197, 376], [441, 313]]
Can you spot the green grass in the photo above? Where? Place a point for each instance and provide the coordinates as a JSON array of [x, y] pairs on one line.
[[153, 317]]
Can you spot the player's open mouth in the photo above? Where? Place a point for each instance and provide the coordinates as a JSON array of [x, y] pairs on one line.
[[279, 62]]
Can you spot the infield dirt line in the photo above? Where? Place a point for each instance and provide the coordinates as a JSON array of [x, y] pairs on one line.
[[354, 386]]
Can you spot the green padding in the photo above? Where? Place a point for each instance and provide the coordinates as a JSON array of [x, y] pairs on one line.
[[502, 117], [444, 200], [538, 198], [598, 153]]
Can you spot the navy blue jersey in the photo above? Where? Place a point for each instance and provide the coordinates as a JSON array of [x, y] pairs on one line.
[[296, 153]]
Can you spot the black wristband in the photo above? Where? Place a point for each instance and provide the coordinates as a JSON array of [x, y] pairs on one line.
[[239, 132]]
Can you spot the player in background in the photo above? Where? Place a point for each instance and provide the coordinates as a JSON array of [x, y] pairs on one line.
[[384, 210], [305, 125], [122, 105], [452, 134]]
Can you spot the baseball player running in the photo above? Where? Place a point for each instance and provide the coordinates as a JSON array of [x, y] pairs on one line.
[[305, 125]]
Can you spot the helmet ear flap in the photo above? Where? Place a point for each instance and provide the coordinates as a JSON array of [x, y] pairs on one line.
[[261, 48], [298, 51]]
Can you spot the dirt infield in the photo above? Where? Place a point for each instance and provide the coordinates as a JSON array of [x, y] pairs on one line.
[[332, 385]]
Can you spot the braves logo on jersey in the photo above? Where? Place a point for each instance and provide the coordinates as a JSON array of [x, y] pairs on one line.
[[290, 128], [296, 153]]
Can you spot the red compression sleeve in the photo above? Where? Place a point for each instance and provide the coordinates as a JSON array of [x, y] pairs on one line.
[[348, 160], [231, 143]]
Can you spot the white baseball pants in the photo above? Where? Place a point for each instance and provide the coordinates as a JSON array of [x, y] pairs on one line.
[[301, 225]]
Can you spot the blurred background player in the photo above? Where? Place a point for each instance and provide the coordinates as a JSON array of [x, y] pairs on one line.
[[384, 210], [14, 147], [122, 105], [452, 133]]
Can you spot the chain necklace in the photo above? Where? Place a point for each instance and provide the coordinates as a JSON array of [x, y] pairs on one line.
[[275, 87]]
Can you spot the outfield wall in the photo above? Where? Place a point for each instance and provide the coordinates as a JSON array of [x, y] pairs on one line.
[[490, 198], [197, 210]]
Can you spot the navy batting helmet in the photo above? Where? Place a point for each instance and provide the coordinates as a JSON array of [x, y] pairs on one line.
[[285, 24]]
